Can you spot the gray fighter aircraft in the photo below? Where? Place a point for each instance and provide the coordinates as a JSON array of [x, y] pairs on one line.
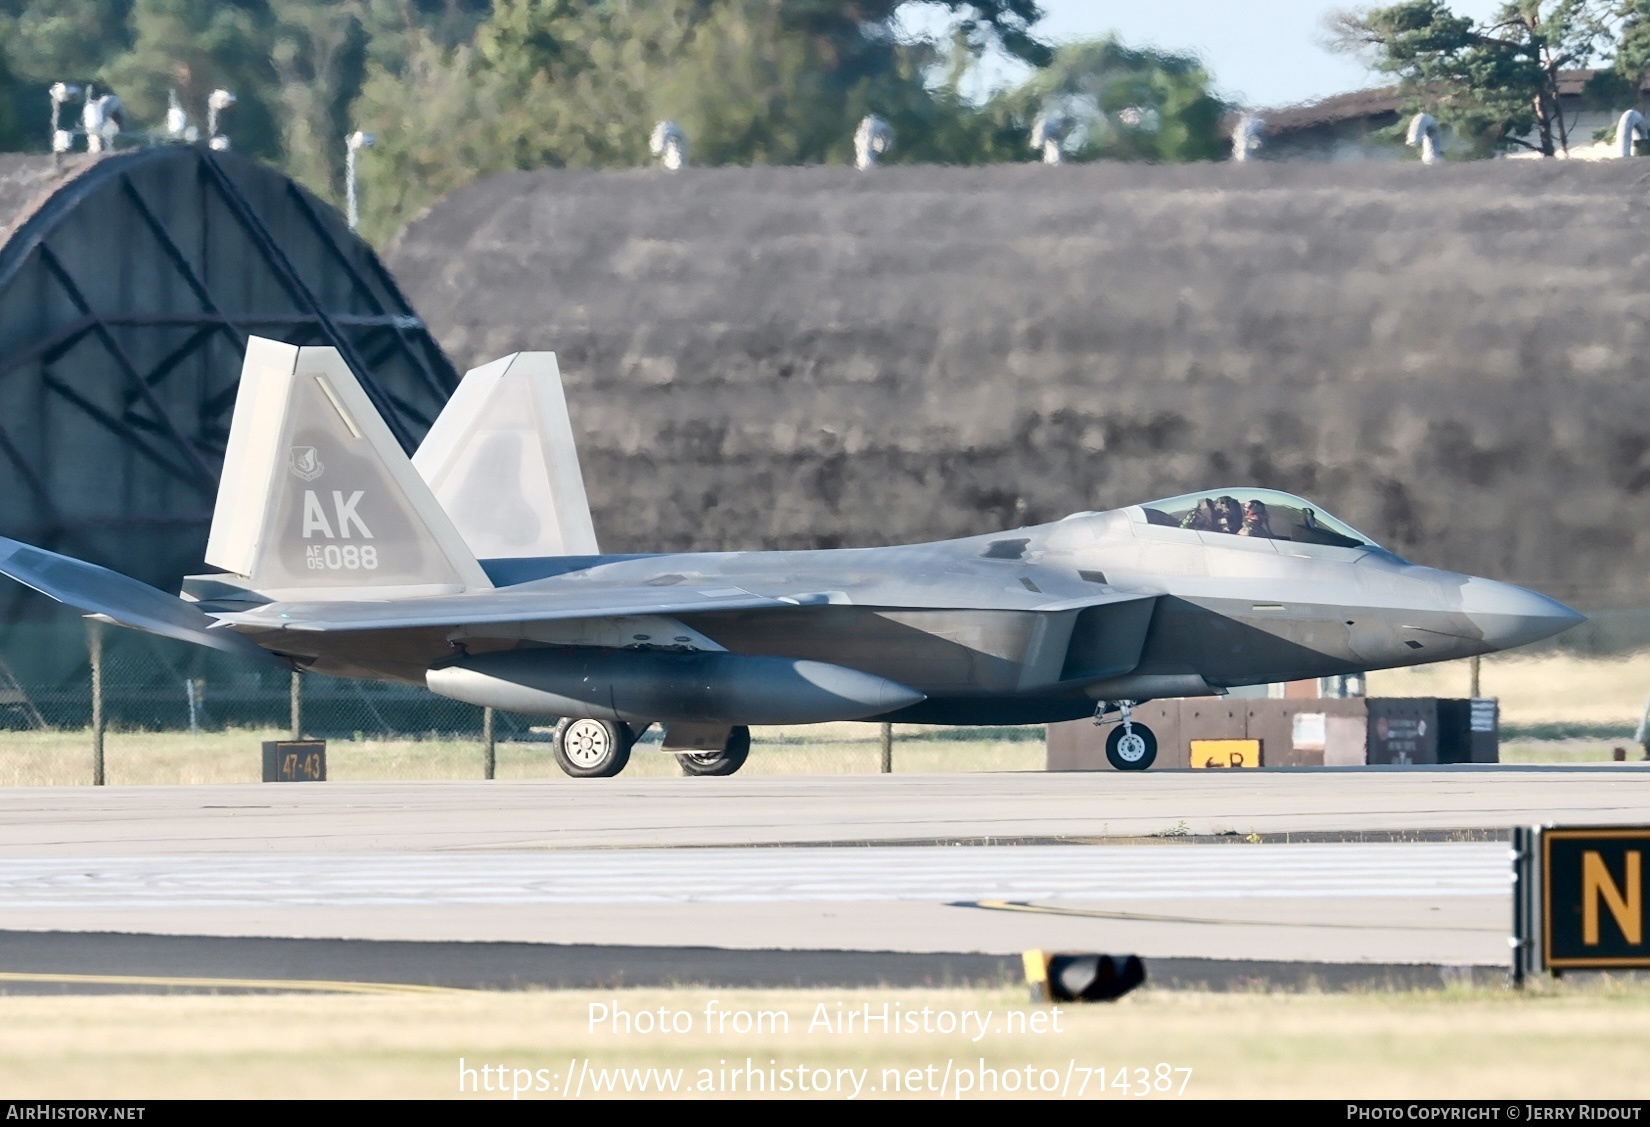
[[336, 554]]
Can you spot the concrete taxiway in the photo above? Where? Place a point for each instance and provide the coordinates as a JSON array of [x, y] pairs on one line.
[[791, 810], [978, 865]]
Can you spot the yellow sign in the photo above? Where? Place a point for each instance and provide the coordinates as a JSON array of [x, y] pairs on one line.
[[1225, 753]]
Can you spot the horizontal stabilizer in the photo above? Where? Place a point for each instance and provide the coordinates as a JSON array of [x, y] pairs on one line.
[[97, 590]]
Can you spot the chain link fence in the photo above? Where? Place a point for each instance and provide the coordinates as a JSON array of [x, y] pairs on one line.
[[170, 715]]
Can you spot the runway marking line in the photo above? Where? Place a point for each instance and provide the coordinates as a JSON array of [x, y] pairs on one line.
[[1146, 917], [299, 984]]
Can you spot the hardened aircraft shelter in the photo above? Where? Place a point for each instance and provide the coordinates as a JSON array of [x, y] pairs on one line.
[[128, 287]]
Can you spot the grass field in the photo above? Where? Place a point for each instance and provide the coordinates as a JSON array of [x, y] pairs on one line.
[[1541, 691], [64, 758], [1554, 709], [1581, 1041]]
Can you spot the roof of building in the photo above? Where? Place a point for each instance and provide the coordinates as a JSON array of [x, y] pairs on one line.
[[26, 180], [1379, 101]]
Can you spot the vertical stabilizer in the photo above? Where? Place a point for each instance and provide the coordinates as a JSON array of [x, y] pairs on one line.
[[317, 498], [501, 461]]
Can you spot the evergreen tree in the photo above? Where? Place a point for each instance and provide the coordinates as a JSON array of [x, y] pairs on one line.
[[1495, 82]]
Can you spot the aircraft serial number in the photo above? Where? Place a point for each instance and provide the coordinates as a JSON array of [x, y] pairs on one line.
[[348, 557]]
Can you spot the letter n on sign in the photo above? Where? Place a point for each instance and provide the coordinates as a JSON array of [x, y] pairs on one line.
[[1593, 896]]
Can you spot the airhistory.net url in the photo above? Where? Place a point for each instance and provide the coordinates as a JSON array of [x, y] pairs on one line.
[[949, 1079]]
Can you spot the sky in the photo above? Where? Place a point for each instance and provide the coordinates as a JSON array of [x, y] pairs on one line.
[[1261, 55]]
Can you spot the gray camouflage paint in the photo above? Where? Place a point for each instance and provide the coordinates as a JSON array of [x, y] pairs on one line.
[[1003, 628]]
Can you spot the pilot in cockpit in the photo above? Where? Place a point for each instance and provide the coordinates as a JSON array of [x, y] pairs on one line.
[[1219, 514], [1256, 520]]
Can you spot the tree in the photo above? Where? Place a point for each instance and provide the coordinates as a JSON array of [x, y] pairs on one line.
[[11, 131], [46, 41], [193, 47], [1496, 82], [580, 83], [319, 53], [1125, 103]]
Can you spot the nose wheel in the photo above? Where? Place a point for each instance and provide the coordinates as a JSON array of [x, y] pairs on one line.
[[592, 749], [1130, 746]]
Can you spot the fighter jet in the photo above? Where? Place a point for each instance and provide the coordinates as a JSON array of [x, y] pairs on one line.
[[336, 554]]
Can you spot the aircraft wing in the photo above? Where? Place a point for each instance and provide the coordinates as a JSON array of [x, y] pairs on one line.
[[120, 598], [505, 607], [512, 605]]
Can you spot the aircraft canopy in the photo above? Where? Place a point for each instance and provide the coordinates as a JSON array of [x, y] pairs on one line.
[[1255, 512]]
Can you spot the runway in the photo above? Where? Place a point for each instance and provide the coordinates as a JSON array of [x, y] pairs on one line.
[[762, 876], [976, 866]]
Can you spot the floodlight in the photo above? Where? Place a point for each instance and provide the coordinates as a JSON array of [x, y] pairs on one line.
[[177, 121], [100, 118], [1247, 136], [873, 138], [216, 102], [669, 144], [1048, 132], [1423, 135], [61, 93]]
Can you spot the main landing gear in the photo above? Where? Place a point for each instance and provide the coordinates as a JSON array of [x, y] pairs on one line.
[[729, 759], [592, 749], [600, 749], [1130, 746]]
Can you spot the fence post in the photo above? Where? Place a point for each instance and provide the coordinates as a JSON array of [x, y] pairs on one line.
[[487, 738], [887, 749], [94, 644], [297, 707]]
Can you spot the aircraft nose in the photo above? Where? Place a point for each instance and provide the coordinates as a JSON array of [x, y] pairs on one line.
[[1511, 616]]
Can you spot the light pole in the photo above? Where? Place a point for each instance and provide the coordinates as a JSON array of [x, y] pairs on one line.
[[62, 139], [353, 144]]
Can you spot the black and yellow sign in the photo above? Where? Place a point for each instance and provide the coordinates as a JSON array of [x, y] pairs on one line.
[[295, 761], [1225, 753], [1593, 897]]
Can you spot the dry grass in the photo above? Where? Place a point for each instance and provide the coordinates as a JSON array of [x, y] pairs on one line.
[[64, 758], [1545, 689], [1549, 690], [1460, 1043]]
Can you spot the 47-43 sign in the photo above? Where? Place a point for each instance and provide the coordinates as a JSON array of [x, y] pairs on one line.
[[1593, 897]]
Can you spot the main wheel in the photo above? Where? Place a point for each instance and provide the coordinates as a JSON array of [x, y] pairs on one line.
[[724, 762], [1134, 749], [592, 749]]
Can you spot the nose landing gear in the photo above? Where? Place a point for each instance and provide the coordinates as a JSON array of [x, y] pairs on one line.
[[1130, 746]]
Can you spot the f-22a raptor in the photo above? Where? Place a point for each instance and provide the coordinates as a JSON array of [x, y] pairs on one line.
[[473, 569]]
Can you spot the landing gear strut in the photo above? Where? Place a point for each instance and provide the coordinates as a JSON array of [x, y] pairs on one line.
[[592, 749], [1129, 746]]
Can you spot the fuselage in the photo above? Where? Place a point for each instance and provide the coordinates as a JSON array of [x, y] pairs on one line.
[[1039, 623]]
